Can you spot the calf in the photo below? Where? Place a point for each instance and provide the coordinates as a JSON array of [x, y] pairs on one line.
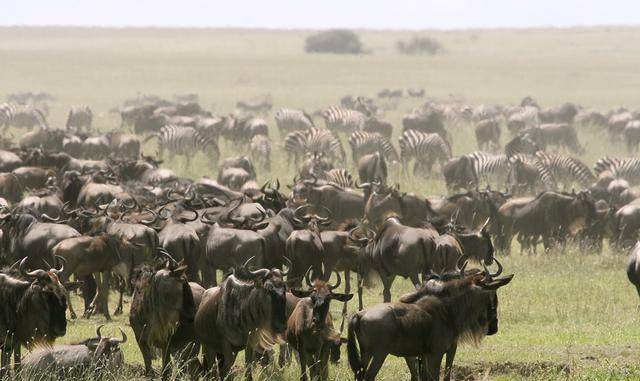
[[97, 353], [310, 327]]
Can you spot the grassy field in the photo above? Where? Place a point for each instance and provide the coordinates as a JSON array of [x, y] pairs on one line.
[[572, 316]]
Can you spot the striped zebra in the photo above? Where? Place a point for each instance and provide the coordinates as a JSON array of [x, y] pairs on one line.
[[260, 149], [79, 117], [490, 168], [299, 143], [625, 168], [566, 169], [185, 141], [289, 120], [425, 148], [21, 116], [340, 177], [340, 119], [364, 143]]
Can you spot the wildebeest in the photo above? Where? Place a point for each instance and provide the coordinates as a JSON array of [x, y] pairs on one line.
[[95, 354], [162, 315], [410, 208], [633, 267], [310, 327], [631, 134], [561, 135], [488, 134], [33, 311], [396, 250], [429, 322], [246, 312]]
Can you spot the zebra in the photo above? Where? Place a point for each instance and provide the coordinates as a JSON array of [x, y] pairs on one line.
[[298, 143], [289, 120], [343, 120], [260, 149], [521, 145], [363, 143], [18, 115], [566, 169], [340, 177], [490, 168], [426, 148], [625, 168], [80, 116], [186, 141]]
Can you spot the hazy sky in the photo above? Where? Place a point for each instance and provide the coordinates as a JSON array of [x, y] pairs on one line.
[[376, 14]]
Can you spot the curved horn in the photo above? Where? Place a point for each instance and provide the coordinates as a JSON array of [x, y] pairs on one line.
[[306, 277], [48, 218], [497, 273], [362, 186], [151, 221], [34, 273], [261, 218], [301, 207], [244, 266], [462, 262], [334, 286], [206, 220], [277, 184], [360, 241], [264, 186], [120, 341], [62, 263], [195, 212], [98, 333], [66, 211], [328, 217], [289, 266], [486, 223], [164, 252]]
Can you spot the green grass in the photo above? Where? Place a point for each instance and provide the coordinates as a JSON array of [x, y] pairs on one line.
[[572, 316]]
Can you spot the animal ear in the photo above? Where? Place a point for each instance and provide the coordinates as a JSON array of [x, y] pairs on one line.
[[301, 293], [495, 284], [342, 297]]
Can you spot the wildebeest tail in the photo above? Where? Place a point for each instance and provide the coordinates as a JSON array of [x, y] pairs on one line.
[[355, 361]]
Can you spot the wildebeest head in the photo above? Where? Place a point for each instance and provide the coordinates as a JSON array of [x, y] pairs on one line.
[[321, 294], [43, 306], [311, 221], [384, 202], [265, 296], [106, 349], [476, 244], [581, 211], [270, 197]]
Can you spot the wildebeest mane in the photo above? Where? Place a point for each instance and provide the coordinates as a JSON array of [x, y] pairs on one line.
[[245, 307]]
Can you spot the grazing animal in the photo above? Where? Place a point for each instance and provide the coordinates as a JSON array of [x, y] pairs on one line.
[[488, 134], [310, 327], [96, 354], [79, 117], [185, 141], [429, 322], [289, 120]]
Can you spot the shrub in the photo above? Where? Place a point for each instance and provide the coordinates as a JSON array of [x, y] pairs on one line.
[[419, 46], [337, 41]]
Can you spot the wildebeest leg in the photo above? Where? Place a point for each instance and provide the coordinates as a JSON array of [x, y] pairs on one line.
[[347, 290], [412, 364], [225, 362], [121, 288], [360, 281], [302, 357], [433, 366], [284, 356], [323, 362], [374, 366], [96, 299], [145, 350], [386, 292], [16, 359], [166, 362], [4, 362], [104, 293], [89, 289], [448, 365], [248, 361]]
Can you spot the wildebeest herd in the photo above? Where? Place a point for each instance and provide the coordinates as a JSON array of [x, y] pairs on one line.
[[88, 212]]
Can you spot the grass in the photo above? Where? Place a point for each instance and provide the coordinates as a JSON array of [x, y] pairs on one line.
[[571, 316]]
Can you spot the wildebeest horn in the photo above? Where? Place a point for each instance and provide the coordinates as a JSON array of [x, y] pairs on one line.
[[151, 221], [334, 286], [328, 214], [98, 333], [164, 252], [277, 184], [462, 262], [244, 266], [497, 273], [120, 341], [195, 212], [47, 217], [66, 211], [62, 263], [361, 241], [261, 218], [362, 186], [34, 273], [228, 216], [289, 266], [298, 209], [206, 220], [306, 277], [264, 186], [486, 223]]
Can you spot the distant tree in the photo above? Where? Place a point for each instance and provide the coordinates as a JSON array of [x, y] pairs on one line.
[[338, 41], [419, 46]]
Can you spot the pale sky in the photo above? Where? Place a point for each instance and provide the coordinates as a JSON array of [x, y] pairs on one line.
[[297, 14]]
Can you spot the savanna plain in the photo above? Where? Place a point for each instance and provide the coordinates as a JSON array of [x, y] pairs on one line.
[[569, 316]]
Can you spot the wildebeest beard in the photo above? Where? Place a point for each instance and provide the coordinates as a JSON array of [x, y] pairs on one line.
[[41, 311], [249, 313]]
